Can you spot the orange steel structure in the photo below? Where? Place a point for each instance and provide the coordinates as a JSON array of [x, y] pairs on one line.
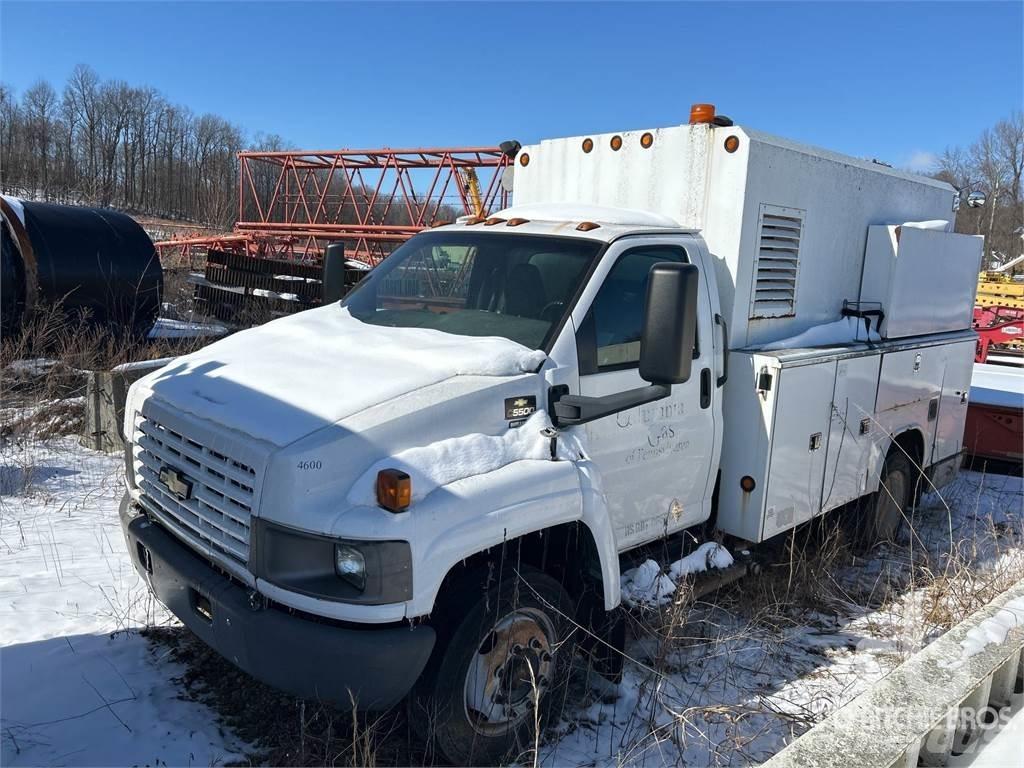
[[292, 203]]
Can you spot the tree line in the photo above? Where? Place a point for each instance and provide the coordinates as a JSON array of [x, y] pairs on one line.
[[994, 165], [106, 143]]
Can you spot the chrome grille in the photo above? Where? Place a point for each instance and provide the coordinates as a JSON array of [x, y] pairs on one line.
[[217, 512]]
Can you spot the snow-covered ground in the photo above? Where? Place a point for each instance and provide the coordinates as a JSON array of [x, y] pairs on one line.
[[744, 677], [732, 685], [78, 684]]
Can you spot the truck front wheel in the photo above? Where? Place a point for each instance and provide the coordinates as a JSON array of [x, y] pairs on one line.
[[505, 663]]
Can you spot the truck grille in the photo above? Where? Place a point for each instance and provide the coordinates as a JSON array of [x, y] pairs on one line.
[[216, 508]]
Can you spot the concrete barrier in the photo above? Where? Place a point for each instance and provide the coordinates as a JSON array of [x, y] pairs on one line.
[[932, 705], [105, 395]]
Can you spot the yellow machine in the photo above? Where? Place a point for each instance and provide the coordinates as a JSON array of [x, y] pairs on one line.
[[997, 288]]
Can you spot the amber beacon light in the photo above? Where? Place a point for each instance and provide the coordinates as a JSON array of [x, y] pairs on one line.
[[702, 113]]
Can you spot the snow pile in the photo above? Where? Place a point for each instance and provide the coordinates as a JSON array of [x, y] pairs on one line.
[[169, 328], [283, 380], [936, 225], [646, 584], [990, 631], [444, 462], [847, 330]]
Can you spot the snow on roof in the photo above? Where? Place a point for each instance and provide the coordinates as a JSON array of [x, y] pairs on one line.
[[997, 385], [578, 212]]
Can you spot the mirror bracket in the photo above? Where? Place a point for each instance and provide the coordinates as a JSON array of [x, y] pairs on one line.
[[571, 410]]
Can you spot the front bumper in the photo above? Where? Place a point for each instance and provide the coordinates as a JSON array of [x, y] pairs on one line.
[[373, 666]]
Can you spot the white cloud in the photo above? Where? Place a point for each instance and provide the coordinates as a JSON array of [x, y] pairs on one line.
[[921, 161]]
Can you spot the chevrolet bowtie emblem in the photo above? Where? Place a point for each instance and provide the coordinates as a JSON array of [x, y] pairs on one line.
[[522, 401], [176, 482]]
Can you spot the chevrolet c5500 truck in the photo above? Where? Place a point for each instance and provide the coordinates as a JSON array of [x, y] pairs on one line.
[[424, 492]]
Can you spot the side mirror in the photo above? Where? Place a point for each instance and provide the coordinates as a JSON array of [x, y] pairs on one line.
[[976, 199], [670, 323], [666, 348]]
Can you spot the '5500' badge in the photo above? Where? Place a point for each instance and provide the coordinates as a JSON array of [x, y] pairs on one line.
[[519, 407]]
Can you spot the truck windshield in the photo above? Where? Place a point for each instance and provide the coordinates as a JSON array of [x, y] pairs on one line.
[[477, 284]]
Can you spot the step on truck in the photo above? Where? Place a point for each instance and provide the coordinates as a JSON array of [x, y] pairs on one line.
[[425, 492]]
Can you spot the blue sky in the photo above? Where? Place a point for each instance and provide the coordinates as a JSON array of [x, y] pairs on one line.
[[894, 81]]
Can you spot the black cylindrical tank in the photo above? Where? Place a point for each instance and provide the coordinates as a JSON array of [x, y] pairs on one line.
[[95, 263]]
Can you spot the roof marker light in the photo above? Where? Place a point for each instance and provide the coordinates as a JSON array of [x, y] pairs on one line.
[[524, 159], [616, 143], [588, 145], [732, 143], [647, 140], [586, 226], [515, 222], [492, 221]]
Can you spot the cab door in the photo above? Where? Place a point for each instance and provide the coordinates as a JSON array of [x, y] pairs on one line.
[[655, 460]]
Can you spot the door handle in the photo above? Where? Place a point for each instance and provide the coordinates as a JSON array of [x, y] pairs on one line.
[[705, 387], [720, 321]]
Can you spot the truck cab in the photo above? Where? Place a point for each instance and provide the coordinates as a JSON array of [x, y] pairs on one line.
[[424, 491]]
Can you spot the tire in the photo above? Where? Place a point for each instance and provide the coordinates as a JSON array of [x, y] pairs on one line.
[[475, 702], [886, 510]]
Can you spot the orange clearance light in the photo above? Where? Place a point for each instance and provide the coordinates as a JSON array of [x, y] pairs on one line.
[[747, 483], [586, 226], [394, 490], [646, 140], [702, 113], [515, 221], [616, 143], [492, 221], [524, 159], [588, 145], [732, 143]]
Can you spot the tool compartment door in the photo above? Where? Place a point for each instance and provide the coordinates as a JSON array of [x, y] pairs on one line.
[[853, 433], [956, 387], [800, 427]]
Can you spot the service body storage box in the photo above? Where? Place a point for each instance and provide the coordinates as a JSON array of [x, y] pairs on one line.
[[907, 267], [817, 423], [812, 442]]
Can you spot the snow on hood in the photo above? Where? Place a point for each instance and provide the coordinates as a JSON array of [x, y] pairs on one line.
[[444, 462], [283, 380]]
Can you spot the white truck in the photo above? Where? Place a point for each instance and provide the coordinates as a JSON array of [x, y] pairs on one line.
[[426, 492]]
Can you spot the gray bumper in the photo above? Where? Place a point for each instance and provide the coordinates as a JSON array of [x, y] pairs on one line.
[[302, 656]]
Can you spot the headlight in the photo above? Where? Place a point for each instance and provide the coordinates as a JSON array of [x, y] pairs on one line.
[[331, 567], [350, 564]]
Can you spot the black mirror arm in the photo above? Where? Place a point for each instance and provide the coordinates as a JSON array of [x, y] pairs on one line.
[[571, 410]]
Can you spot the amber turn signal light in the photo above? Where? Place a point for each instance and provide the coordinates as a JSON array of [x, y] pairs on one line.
[[394, 490]]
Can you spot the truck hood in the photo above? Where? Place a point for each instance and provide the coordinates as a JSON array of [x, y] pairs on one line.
[[290, 377]]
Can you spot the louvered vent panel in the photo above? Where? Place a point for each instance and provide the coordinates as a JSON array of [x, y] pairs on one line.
[[778, 262]]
